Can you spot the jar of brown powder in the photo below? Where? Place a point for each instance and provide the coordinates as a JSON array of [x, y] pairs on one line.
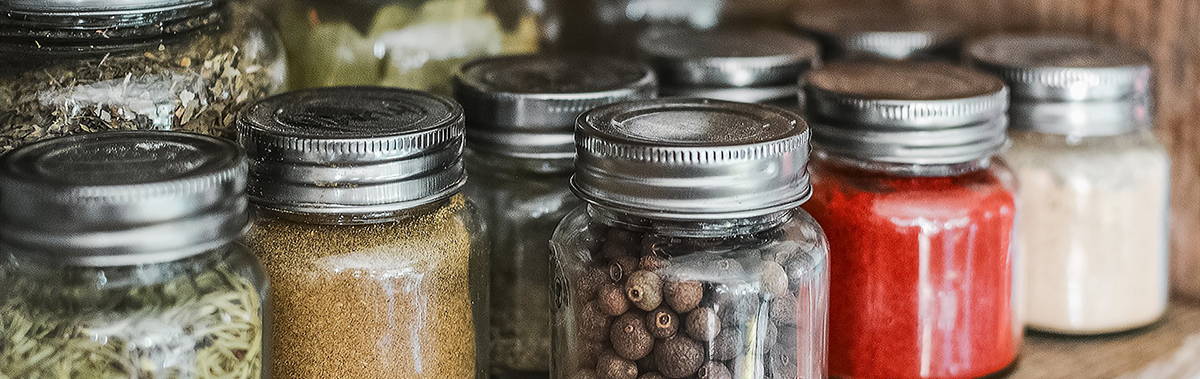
[[377, 264]]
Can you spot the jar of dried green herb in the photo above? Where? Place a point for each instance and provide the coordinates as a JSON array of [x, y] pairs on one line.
[[82, 66], [121, 261], [378, 266]]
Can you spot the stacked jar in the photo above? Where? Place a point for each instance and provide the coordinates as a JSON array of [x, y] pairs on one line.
[[881, 32], [749, 65], [691, 258], [521, 113], [82, 66], [920, 216], [377, 263], [121, 260], [1095, 181]]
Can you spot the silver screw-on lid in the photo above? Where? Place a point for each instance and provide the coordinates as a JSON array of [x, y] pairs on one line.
[[906, 112], [354, 151], [122, 198], [759, 95], [692, 159], [526, 105], [1062, 67], [728, 57], [880, 32]]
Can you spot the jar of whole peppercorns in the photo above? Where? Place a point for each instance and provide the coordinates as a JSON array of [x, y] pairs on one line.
[[692, 257]]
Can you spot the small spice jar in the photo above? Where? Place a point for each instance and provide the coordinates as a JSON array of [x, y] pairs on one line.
[[881, 32], [920, 215], [1095, 182], [81, 66], [377, 263], [120, 260], [749, 65], [692, 258], [521, 152]]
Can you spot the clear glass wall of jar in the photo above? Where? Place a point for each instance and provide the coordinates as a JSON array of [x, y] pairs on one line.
[[520, 158], [1095, 180], [400, 43], [91, 66], [921, 218], [378, 266], [121, 260], [691, 257]]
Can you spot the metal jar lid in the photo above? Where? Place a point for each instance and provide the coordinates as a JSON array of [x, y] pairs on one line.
[[906, 112], [692, 159], [758, 95], [880, 32], [526, 105], [122, 198], [728, 57], [1062, 67], [352, 151], [89, 14]]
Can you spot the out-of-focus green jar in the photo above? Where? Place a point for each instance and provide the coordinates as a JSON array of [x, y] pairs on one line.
[[415, 44]]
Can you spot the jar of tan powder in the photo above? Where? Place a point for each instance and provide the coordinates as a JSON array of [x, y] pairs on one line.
[[377, 264]]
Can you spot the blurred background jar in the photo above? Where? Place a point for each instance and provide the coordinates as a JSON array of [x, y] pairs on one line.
[[691, 258], [415, 44], [520, 156], [70, 67], [1095, 182], [880, 31], [121, 260]]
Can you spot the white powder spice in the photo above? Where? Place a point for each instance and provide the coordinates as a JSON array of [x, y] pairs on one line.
[[1094, 233]]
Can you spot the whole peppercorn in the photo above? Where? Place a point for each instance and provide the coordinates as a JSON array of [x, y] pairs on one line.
[[782, 365], [611, 366], [629, 337], [774, 279], [652, 375], [653, 263], [772, 334], [703, 324], [678, 357], [652, 246], [728, 344], [727, 268], [646, 364], [798, 272], [621, 267], [787, 339], [593, 323], [683, 296], [714, 370], [587, 352], [644, 289], [662, 322], [611, 299], [588, 282], [733, 308], [783, 309], [585, 374]]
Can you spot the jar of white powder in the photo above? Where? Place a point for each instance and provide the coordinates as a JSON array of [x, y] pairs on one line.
[[1096, 185]]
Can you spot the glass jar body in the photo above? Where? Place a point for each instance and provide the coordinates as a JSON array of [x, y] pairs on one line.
[[408, 44], [746, 297], [194, 81], [385, 297], [1095, 212], [927, 279], [199, 317], [521, 201]]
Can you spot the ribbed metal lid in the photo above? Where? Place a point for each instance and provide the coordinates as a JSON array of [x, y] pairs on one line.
[[759, 95], [526, 105], [880, 32], [728, 57], [352, 150], [1063, 67], [692, 159], [122, 198], [906, 112]]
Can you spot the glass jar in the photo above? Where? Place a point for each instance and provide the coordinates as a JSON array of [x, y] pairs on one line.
[[70, 67], [881, 31], [921, 217], [415, 44], [1095, 180], [520, 156], [377, 263], [121, 261], [749, 65], [692, 256]]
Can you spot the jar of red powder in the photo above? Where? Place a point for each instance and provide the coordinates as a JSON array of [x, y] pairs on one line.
[[920, 219]]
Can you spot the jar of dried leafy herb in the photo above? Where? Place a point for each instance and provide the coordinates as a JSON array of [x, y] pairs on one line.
[[82, 66], [521, 151], [377, 264], [692, 258], [121, 261]]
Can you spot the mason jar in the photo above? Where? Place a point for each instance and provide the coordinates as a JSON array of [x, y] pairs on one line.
[[521, 153], [377, 262], [881, 31], [743, 64], [921, 216], [81, 66], [414, 44], [691, 257], [121, 260], [1095, 180]]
